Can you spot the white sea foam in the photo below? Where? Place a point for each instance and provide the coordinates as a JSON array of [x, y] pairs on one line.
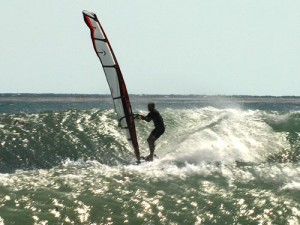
[[221, 135]]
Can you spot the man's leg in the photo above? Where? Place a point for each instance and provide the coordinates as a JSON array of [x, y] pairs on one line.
[[151, 141]]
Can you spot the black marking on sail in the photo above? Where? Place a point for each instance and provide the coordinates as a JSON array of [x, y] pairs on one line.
[[103, 52], [100, 39], [113, 66], [120, 97]]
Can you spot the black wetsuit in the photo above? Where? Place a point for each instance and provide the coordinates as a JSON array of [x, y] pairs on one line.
[[158, 121]]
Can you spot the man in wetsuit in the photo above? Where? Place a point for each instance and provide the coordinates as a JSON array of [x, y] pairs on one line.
[[159, 129]]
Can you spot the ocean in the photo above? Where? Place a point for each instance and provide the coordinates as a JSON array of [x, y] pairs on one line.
[[222, 160]]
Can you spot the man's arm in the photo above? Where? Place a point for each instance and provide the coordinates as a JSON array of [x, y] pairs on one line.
[[146, 118]]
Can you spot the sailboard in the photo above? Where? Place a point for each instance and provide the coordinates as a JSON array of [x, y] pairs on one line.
[[114, 78]]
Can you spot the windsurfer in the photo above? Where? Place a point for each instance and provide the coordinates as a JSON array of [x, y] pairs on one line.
[[159, 129]]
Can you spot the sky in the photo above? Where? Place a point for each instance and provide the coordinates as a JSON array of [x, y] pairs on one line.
[[206, 47]]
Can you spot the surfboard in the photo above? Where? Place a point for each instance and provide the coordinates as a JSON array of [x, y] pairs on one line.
[[114, 78]]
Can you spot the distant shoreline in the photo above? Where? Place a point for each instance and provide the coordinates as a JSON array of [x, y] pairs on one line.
[[33, 97], [138, 95]]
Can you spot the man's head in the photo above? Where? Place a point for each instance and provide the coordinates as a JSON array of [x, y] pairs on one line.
[[151, 106]]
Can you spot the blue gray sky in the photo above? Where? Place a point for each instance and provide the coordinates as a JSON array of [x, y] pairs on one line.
[[210, 47]]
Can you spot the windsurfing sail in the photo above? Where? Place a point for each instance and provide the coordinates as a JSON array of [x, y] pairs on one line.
[[114, 78]]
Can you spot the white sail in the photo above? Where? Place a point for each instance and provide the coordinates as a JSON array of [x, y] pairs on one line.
[[114, 78]]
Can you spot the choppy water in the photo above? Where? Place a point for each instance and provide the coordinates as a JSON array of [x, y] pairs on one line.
[[222, 160]]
